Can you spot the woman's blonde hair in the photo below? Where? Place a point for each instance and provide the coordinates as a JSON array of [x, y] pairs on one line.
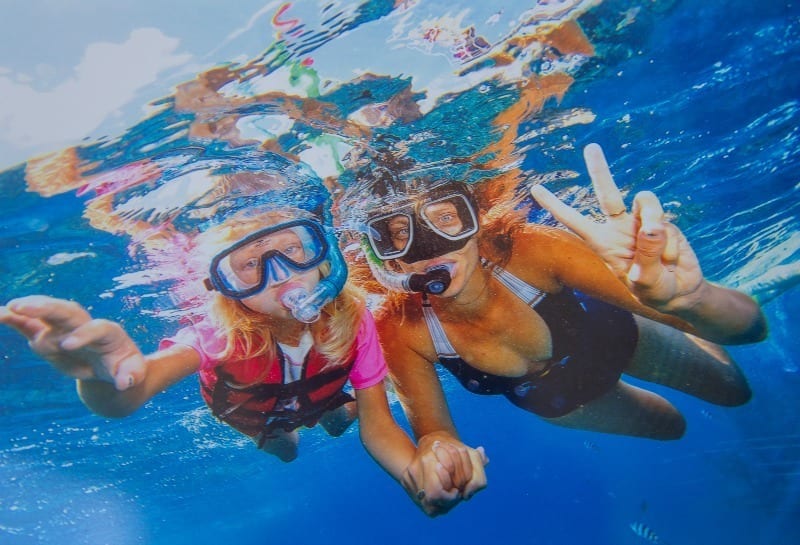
[[247, 332]]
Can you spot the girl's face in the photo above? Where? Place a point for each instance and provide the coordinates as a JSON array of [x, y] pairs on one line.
[[268, 301], [263, 262], [246, 262]]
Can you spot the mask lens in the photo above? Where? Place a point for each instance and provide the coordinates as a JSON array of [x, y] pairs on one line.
[[268, 255], [451, 217], [390, 235]]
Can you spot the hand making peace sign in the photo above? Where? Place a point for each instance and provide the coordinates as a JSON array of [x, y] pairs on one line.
[[649, 254]]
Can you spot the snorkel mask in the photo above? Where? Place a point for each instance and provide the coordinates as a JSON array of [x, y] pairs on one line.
[[273, 255], [270, 251], [426, 226]]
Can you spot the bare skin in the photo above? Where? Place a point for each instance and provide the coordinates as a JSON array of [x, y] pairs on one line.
[[114, 378], [635, 260]]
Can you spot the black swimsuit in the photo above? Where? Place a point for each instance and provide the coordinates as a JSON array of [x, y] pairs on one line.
[[592, 343]]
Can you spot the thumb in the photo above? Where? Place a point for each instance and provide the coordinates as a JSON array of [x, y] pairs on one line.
[[484, 458], [650, 245]]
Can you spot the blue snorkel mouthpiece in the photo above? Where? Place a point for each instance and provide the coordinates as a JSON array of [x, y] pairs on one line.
[[306, 307]]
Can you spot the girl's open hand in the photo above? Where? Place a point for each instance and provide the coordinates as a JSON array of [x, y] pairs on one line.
[[63, 333]]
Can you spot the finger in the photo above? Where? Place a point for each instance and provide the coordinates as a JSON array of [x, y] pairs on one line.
[[567, 215], [28, 327], [445, 477], [96, 332], [672, 249], [444, 454], [440, 503], [647, 266], [130, 372], [608, 195], [478, 480], [410, 482], [647, 208], [456, 461], [483, 457], [57, 313], [118, 360]]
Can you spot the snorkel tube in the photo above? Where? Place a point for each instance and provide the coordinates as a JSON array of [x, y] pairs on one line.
[[434, 281], [306, 307]]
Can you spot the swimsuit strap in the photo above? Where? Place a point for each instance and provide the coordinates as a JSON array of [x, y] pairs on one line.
[[527, 293], [440, 341]]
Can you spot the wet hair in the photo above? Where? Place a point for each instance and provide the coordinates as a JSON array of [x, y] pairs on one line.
[[501, 216]]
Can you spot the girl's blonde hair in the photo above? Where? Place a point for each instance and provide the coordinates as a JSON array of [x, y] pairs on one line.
[[248, 333]]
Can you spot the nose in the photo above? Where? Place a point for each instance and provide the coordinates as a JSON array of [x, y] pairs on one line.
[[276, 272]]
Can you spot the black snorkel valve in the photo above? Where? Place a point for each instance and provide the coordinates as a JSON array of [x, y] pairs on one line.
[[435, 281]]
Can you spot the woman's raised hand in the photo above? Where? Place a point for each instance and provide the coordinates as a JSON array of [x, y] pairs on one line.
[[649, 254], [63, 333]]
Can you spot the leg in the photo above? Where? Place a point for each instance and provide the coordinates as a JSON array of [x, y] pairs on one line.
[[700, 368], [282, 444], [627, 410], [339, 419]]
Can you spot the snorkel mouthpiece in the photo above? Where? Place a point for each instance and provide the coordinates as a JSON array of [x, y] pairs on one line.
[[295, 301], [435, 281], [307, 306]]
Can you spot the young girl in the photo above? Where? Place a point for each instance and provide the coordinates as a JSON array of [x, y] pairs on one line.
[[283, 335]]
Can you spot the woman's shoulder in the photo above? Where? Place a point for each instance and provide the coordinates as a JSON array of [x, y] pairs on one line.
[[539, 253], [543, 233]]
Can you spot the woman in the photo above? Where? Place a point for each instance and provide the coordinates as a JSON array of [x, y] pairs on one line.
[[549, 319], [283, 335]]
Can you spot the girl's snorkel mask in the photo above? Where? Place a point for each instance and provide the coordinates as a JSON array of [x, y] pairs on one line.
[[273, 253]]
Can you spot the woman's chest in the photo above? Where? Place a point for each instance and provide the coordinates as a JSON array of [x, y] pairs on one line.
[[510, 340]]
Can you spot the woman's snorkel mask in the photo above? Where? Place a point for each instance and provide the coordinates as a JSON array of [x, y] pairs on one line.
[[283, 213], [425, 226]]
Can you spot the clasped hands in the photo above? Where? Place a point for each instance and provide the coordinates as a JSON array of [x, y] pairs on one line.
[[443, 473]]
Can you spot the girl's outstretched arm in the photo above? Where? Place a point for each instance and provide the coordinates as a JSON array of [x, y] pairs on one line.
[[113, 377]]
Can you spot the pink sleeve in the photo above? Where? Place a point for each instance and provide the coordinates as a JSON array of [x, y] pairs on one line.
[[202, 337], [370, 366]]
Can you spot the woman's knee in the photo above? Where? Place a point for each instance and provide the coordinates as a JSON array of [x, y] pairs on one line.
[[671, 427], [735, 392]]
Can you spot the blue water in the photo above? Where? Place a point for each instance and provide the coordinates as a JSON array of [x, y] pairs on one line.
[[698, 101]]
